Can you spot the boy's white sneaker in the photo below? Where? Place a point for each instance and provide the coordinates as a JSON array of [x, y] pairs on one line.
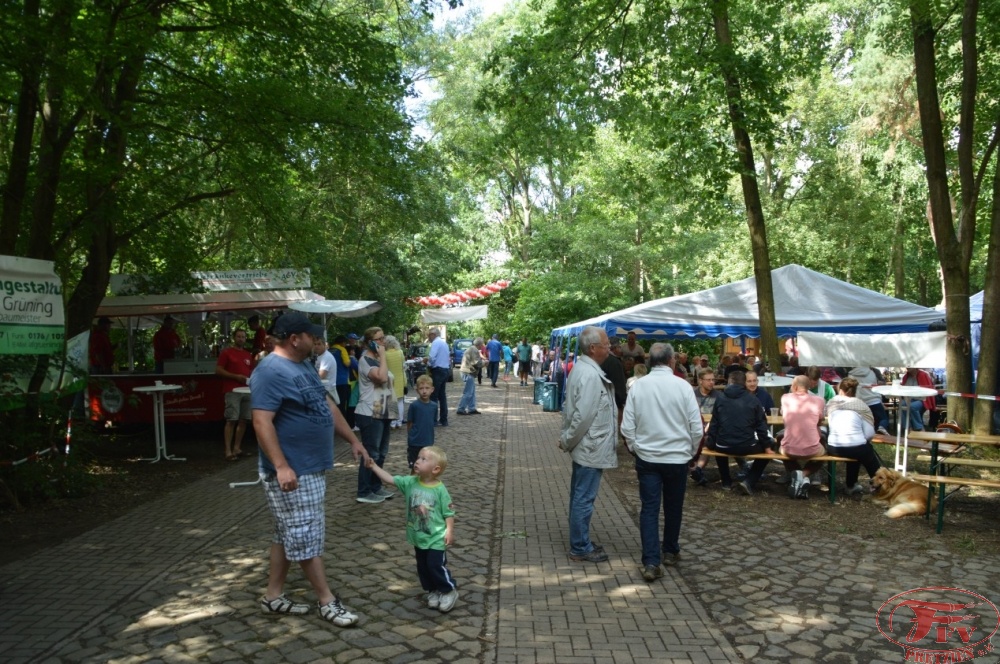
[[447, 601], [434, 599]]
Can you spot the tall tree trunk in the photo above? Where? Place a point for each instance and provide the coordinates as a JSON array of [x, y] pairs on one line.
[[751, 191], [898, 253], [953, 256], [989, 351], [14, 190]]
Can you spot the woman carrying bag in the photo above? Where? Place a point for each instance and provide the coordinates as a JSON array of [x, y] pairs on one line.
[[375, 410]]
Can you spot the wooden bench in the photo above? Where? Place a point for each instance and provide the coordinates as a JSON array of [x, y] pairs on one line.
[[958, 461], [944, 449], [947, 480], [831, 463]]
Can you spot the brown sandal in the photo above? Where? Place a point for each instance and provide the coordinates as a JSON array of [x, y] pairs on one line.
[[232, 457]]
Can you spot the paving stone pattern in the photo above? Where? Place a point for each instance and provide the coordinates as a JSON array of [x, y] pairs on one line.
[[178, 579]]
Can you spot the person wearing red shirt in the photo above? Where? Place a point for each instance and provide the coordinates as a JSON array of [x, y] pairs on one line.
[[101, 352], [234, 366], [165, 343], [259, 335]]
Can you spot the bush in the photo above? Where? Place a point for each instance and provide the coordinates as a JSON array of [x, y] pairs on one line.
[[48, 473]]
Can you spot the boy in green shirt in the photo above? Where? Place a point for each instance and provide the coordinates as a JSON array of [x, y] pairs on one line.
[[430, 523]]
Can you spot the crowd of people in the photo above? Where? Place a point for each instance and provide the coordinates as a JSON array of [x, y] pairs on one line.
[[667, 408]]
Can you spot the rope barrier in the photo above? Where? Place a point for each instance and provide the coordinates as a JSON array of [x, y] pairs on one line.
[[38, 455], [31, 457], [984, 397]]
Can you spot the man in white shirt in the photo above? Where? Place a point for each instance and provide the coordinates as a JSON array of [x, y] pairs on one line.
[[662, 427], [439, 360], [326, 368]]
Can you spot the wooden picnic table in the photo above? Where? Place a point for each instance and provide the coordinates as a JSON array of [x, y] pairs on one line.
[[939, 472]]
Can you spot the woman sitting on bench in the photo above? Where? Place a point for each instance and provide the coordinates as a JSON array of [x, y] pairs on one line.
[[800, 439], [851, 431]]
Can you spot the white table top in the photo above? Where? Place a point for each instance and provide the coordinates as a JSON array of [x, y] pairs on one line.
[[904, 391], [156, 388], [774, 381], [241, 390]]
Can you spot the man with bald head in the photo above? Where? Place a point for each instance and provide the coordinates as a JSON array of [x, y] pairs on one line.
[[662, 426], [589, 435]]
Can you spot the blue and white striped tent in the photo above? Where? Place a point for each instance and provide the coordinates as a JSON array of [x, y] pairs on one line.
[[804, 300]]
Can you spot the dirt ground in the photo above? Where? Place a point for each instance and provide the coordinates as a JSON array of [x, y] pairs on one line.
[[124, 482], [971, 524]]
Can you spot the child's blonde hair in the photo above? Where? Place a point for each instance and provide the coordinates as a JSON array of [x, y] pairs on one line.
[[439, 455], [640, 370], [424, 379]]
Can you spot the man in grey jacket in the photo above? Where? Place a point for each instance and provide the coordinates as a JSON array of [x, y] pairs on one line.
[[589, 434], [662, 427]]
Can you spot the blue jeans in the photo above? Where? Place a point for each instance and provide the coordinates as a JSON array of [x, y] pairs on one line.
[[493, 372], [468, 400], [375, 438], [666, 482], [916, 415], [440, 377], [583, 486], [880, 416]]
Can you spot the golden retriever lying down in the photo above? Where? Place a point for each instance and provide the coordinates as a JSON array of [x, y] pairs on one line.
[[904, 497]]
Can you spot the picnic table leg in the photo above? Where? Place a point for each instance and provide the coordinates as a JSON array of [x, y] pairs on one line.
[[940, 523], [831, 472], [930, 487]]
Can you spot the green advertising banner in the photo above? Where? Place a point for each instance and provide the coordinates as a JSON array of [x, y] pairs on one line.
[[32, 321]]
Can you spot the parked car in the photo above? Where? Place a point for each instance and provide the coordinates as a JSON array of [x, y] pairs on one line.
[[416, 366], [458, 350]]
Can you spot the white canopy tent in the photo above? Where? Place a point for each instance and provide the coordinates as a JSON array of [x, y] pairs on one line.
[[338, 308], [147, 311], [913, 349], [130, 306], [804, 301], [975, 325], [454, 314]]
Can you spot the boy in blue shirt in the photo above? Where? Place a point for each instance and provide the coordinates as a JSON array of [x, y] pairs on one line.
[[420, 420], [430, 523]]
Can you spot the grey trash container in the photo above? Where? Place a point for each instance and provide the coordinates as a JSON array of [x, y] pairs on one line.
[[550, 398], [539, 386]]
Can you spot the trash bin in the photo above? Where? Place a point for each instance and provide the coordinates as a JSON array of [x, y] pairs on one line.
[[550, 397], [539, 386]]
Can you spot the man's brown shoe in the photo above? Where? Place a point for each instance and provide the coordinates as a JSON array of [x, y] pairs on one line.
[[590, 557], [652, 572]]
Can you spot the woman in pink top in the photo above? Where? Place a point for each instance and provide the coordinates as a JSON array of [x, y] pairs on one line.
[[802, 413]]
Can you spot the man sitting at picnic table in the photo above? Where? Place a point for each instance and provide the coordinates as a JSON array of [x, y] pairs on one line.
[[802, 413], [763, 396], [738, 428], [818, 386], [916, 377]]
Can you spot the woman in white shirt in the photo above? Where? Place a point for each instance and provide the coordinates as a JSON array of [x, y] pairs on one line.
[[851, 432]]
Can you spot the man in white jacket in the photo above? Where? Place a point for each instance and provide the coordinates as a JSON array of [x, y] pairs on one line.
[[662, 427], [589, 434]]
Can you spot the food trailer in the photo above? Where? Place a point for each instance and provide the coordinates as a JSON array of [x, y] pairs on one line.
[[112, 397]]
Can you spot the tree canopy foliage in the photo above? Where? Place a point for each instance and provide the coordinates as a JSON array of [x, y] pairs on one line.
[[599, 153]]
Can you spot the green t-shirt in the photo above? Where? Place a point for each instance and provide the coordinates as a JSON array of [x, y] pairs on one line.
[[426, 509]]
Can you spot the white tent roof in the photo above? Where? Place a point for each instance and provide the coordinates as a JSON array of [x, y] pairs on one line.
[[975, 307], [338, 308], [804, 300], [914, 349], [121, 306], [454, 314]]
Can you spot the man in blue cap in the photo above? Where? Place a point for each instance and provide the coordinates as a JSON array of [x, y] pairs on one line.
[[494, 350], [295, 421]]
